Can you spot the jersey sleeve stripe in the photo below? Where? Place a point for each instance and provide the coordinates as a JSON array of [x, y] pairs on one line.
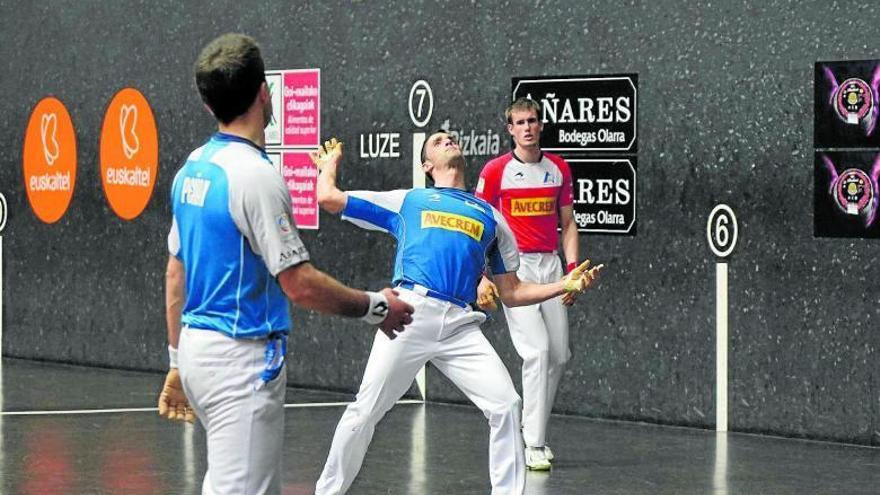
[[369, 215]]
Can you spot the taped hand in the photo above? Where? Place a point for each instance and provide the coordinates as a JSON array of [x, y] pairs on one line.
[[487, 295], [173, 404], [580, 279], [329, 154]]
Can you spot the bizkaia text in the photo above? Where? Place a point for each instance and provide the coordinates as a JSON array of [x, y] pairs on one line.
[[602, 109], [474, 142]]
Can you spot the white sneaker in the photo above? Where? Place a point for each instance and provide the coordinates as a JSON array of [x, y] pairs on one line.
[[536, 460], [548, 453]]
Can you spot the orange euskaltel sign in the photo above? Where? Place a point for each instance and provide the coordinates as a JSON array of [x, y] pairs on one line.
[[49, 160], [129, 153]]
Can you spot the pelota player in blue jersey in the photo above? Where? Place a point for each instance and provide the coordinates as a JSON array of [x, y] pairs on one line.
[[236, 259], [446, 236]]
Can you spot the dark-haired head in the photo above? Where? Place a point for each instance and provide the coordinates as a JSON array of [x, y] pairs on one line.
[[229, 73]]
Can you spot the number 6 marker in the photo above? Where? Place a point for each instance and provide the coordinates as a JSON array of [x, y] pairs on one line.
[[722, 233]]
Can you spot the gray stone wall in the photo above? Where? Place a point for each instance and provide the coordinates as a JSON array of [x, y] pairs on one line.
[[725, 108]]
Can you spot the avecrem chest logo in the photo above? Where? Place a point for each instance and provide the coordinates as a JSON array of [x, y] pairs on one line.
[[194, 191], [530, 207], [453, 222]]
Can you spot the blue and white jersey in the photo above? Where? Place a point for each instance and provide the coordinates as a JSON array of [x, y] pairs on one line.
[[444, 236], [233, 231]]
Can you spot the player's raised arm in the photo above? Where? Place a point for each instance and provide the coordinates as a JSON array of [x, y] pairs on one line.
[[327, 159]]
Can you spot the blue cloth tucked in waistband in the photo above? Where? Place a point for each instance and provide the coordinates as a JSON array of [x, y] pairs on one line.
[[276, 350]]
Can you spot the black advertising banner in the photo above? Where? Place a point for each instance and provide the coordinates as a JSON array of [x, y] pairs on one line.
[[845, 194], [592, 121], [604, 194], [845, 169], [584, 114], [845, 104]]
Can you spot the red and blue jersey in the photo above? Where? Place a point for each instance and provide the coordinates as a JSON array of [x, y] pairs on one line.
[[529, 195]]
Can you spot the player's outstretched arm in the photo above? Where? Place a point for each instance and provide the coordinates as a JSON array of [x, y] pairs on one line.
[[327, 159], [515, 292], [313, 289]]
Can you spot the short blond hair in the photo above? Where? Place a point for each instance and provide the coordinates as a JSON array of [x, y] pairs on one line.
[[521, 105]]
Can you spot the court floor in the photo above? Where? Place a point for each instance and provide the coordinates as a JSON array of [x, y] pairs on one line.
[[76, 430]]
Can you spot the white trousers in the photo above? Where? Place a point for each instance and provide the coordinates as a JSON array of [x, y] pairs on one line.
[[450, 338], [244, 425], [540, 336]]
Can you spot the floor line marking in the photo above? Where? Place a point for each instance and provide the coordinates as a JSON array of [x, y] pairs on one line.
[[339, 404], [154, 409]]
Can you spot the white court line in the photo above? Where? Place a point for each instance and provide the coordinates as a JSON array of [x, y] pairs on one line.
[[189, 458], [418, 466], [721, 347], [1, 288], [78, 411], [719, 478], [154, 409], [339, 404], [419, 183]]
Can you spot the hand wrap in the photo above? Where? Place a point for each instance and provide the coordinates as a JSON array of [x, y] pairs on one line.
[[378, 309]]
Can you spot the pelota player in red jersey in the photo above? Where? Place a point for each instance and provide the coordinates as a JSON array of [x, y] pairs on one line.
[[533, 190]]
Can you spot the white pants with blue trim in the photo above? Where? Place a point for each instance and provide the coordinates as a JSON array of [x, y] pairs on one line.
[[449, 337], [540, 335], [244, 425]]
